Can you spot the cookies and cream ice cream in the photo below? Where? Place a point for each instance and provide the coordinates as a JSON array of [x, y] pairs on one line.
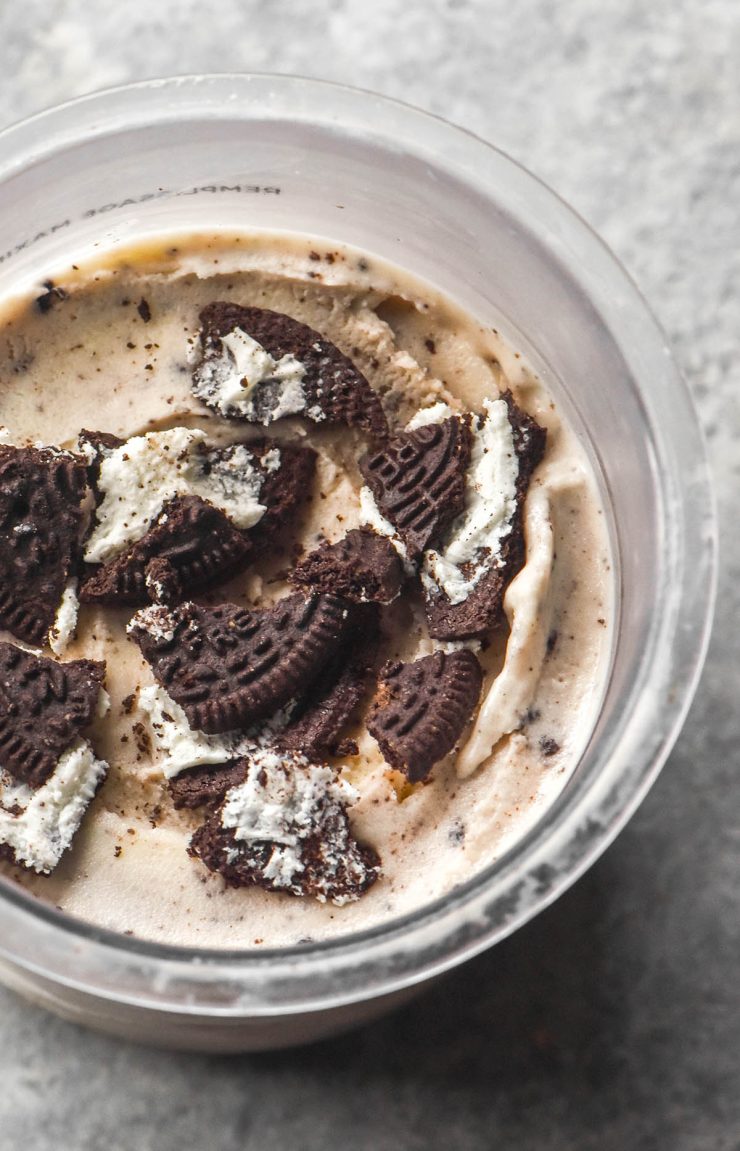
[[196, 428]]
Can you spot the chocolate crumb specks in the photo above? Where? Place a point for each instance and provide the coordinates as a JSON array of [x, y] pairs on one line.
[[286, 829], [144, 310], [143, 739], [52, 295]]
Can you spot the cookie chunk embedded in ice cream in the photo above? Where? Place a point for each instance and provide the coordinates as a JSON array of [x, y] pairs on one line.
[[417, 480], [362, 566], [422, 708], [44, 706], [43, 494], [174, 516], [258, 365], [228, 667], [472, 563], [286, 828], [318, 719], [48, 771]]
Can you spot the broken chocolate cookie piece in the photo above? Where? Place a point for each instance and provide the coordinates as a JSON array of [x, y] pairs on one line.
[[421, 709], [228, 667], [259, 365], [316, 723], [213, 509], [284, 491], [44, 706], [286, 828], [38, 826], [466, 575], [48, 772], [190, 546], [417, 480], [207, 785], [42, 494], [363, 567]]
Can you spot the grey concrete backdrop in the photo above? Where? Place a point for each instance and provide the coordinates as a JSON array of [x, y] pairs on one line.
[[611, 1022]]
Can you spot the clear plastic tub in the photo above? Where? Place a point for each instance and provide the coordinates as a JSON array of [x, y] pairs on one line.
[[270, 152]]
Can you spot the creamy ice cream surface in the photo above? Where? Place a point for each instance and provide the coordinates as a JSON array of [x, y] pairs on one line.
[[114, 353]]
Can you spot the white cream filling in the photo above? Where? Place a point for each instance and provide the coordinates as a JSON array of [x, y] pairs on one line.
[[139, 477], [180, 746], [372, 517], [475, 537], [51, 814], [277, 803], [65, 622], [437, 414], [231, 382]]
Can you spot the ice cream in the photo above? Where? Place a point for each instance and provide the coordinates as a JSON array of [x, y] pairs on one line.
[[115, 354]]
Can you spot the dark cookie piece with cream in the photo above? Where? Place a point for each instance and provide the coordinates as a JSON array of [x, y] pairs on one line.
[[316, 720], [42, 493], [286, 829], [421, 709], [284, 492], [317, 723], [229, 667], [206, 786], [418, 480], [293, 370], [482, 608], [192, 544], [95, 446], [44, 706], [363, 566]]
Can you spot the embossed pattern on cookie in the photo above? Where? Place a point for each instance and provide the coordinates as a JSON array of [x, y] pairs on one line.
[[259, 365], [44, 705], [316, 725], [421, 709], [418, 480]]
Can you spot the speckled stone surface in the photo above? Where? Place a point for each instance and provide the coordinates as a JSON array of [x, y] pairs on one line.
[[612, 1022]]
